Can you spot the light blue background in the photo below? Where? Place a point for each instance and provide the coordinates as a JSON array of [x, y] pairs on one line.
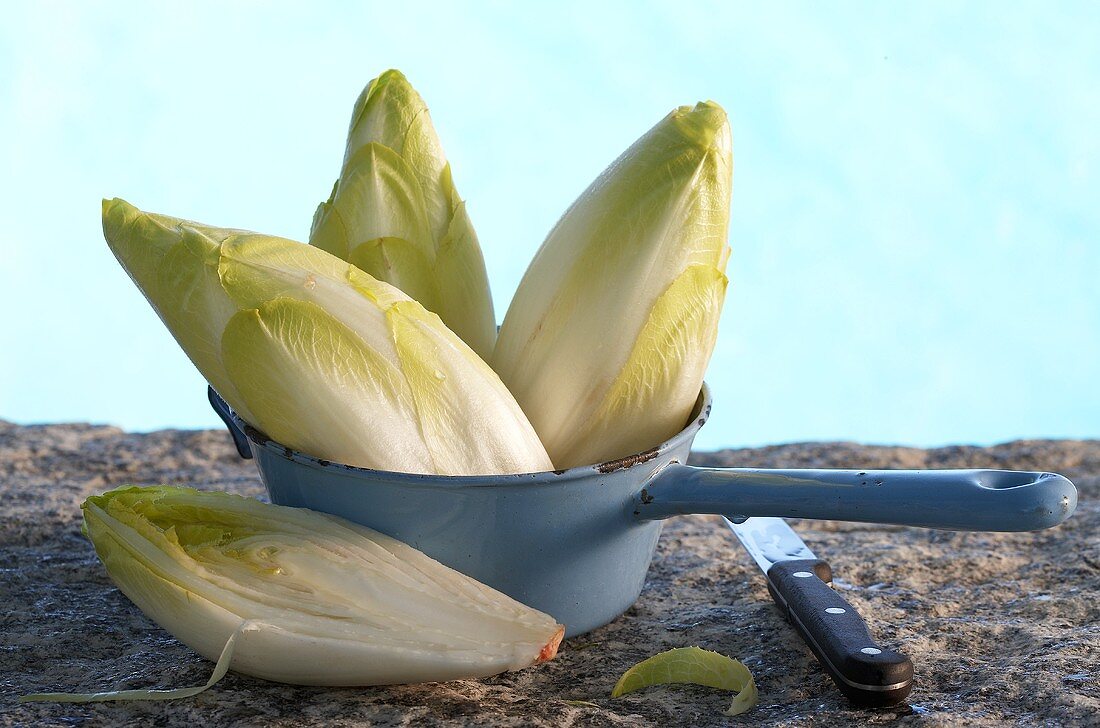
[[916, 217]]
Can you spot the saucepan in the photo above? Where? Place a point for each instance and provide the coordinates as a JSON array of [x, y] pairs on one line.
[[576, 543]]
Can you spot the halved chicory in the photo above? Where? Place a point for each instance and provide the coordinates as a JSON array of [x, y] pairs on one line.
[[308, 598]]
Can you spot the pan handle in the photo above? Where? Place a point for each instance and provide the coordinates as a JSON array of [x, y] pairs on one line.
[[222, 408], [961, 500]]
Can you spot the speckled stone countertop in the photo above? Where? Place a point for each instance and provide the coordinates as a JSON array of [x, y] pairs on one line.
[[1002, 628]]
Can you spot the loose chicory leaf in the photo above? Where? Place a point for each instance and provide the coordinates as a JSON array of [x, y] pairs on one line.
[[695, 666]]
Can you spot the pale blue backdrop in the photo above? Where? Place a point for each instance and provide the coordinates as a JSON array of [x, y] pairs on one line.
[[916, 217]]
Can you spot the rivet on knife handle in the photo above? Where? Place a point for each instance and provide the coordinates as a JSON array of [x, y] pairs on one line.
[[865, 672]]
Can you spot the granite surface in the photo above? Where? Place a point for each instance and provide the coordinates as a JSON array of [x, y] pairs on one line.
[[1003, 628]]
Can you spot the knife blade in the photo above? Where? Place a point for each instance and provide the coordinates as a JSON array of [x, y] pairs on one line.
[[868, 674]]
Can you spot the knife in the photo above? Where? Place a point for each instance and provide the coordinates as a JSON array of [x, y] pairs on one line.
[[868, 674]]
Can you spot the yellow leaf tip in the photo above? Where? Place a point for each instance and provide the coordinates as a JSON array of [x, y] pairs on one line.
[[706, 124]]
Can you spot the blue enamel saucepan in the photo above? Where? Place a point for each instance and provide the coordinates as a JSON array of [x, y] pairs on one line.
[[577, 543]]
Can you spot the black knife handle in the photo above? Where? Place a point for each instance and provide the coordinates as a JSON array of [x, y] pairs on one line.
[[869, 675]]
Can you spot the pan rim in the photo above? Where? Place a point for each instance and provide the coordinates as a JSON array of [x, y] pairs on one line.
[[699, 415]]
